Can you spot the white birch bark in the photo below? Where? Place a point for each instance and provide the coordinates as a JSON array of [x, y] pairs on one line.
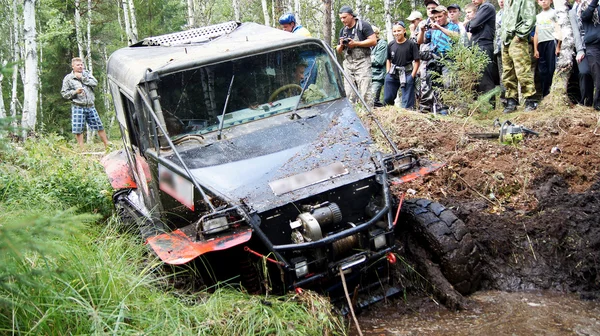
[[388, 20], [120, 20], [358, 8], [78, 33], [133, 20], [297, 11], [326, 10], [236, 10], [88, 55], [266, 12], [275, 19], [14, 99], [30, 90], [334, 35], [126, 22], [191, 14], [2, 107]]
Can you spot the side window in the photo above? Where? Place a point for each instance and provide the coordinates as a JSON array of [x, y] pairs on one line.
[[132, 119]]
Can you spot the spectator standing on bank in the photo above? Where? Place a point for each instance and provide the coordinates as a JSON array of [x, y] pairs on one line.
[[588, 12], [289, 24], [356, 39], [586, 84], [483, 29], [402, 65], [78, 87], [470, 11], [414, 19], [439, 34], [518, 21], [454, 12], [426, 54], [545, 47], [378, 56]]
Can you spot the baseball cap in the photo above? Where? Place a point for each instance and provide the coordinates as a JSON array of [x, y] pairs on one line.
[[400, 23], [414, 15], [439, 9], [455, 6], [346, 9], [427, 2]]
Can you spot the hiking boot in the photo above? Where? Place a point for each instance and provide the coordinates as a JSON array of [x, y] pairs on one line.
[[530, 105], [511, 105]]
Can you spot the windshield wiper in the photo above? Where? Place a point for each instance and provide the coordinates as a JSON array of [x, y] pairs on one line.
[[225, 108], [304, 87]]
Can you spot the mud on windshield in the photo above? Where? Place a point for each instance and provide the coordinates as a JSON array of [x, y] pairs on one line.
[[202, 100]]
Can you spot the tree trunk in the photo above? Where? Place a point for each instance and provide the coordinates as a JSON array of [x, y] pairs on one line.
[[388, 20], [332, 17], [14, 99], [297, 11], [266, 13], [134, 31], [236, 10], [358, 8], [120, 20], [78, 33], [2, 108], [564, 62], [89, 37], [191, 14], [130, 39], [30, 91]]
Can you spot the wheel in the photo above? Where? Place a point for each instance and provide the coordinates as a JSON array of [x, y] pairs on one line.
[[132, 221], [284, 88], [446, 238]]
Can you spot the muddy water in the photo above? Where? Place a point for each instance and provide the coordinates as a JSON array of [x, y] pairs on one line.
[[489, 313]]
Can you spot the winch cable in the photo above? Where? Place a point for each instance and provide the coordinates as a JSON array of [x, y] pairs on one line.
[[362, 100], [185, 167], [349, 301]]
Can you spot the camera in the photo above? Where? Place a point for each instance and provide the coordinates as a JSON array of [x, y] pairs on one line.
[[428, 26], [346, 41]]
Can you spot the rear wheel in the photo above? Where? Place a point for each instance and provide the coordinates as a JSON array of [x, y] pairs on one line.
[[446, 238]]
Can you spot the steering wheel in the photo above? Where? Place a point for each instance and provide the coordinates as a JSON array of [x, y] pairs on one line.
[[284, 88]]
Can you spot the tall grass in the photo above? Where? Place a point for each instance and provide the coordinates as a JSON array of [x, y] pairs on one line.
[[64, 270]]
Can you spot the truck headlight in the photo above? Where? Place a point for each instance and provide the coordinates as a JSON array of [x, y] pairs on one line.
[[215, 225], [301, 267]]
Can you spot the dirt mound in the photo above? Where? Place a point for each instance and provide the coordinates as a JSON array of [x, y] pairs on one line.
[[532, 207]]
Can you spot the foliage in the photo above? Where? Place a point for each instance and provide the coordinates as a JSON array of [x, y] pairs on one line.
[[465, 67]]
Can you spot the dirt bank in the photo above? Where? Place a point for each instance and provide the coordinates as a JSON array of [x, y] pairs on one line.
[[533, 208]]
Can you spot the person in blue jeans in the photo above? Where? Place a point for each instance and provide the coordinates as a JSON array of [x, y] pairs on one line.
[[402, 65]]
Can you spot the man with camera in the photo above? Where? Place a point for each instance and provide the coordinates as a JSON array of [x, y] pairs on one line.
[[439, 33], [356, 39], [402, 66]]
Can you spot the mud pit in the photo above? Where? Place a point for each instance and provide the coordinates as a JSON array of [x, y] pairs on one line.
[[533, 211]]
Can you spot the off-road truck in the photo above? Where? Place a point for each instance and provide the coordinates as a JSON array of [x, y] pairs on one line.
[[241, 148]]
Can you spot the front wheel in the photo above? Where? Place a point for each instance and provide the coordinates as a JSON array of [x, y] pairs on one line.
[[446, 238]]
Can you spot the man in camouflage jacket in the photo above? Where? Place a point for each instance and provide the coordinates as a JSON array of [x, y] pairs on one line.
[[518, 21]]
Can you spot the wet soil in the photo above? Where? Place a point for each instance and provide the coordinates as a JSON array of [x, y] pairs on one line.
[[532, 207], [489, 313]]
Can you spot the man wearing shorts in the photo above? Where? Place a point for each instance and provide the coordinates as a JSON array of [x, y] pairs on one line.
[[78, 87]]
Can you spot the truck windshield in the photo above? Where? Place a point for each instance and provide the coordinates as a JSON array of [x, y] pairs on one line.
[[263, 85]]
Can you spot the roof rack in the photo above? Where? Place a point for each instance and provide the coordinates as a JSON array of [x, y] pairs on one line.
[[196, 35]]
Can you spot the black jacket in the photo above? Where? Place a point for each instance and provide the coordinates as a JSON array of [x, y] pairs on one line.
[[592, 32], [483, 26]]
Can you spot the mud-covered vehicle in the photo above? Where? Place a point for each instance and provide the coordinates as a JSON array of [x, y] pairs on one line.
[[241, 148]]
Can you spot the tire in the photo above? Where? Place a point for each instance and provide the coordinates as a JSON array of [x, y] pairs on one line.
[[131, 220], [446, 238]]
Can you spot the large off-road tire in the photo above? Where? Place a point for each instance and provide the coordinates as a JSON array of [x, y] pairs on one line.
[[132, 221], [447, 240]]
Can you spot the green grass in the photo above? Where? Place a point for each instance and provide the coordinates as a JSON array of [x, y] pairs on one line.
[[66, 269]]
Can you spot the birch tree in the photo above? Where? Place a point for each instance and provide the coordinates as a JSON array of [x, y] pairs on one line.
[[2, 108], [133, 21], [78, 34], [30, 90], [14, 99], [130, 39], [90, 66], [388, 20], [564, 61], [191, 13], [265, 9], [297, 10], [236, 10]]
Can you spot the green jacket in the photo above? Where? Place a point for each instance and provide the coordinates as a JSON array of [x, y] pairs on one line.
[[518, 19], [378, 57]]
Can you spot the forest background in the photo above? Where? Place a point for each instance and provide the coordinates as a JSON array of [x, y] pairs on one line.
[[41, 37]]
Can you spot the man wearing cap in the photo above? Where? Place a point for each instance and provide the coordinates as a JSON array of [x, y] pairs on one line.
[[402, 66], [483, 28], [289, 24], [356, 39], [454, 17], [425, 89], [414, 18], [518, 21]]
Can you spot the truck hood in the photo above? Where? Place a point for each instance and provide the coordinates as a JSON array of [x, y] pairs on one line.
[[284, 160]]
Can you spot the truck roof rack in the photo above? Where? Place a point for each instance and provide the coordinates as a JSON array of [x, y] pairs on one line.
[[196, 35]]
